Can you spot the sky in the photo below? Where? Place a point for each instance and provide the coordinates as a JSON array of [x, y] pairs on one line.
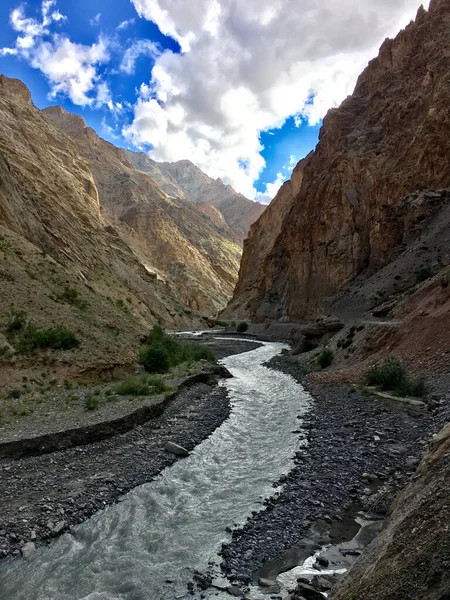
[[239, 87]]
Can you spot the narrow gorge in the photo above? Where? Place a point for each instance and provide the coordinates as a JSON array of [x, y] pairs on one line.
[[204, 396]]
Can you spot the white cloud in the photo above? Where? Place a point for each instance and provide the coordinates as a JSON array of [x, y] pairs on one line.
[[71, 69], [125, 24], [137, 49], [271, 190], [245, 67], [96, 20]]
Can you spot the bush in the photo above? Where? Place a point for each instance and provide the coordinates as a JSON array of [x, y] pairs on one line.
[[325, 358], [242, 326], [391, 375], [141, 385], [91, 402], [71, 296], [388, 375], [165, 351], [57, 338], [155, 359], [16, 321], [423, 274]]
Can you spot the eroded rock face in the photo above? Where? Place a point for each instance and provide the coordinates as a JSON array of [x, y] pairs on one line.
[[183, 179], [387, 140], [191, 248]]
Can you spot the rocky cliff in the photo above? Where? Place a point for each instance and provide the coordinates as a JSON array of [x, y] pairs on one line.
[[61, 263], [350, 218], [183, 179], [193, 252]]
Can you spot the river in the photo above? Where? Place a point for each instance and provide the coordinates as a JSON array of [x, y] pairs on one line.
[[146, 547]]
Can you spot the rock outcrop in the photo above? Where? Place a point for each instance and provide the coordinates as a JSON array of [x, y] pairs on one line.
[[183, 179], [410, 558], [187, 247], [349, 218]]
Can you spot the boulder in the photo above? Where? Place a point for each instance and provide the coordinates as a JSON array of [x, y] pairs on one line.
[[28, 550], [176, 449]]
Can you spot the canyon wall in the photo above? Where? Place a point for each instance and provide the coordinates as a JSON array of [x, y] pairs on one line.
[[349, 217]]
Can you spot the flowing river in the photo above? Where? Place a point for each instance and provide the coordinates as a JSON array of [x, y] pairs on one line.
[[165, 529]]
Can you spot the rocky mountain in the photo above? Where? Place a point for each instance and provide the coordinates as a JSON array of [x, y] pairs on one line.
[[190, 248], [371, 189], [183, 179], [62, 264]]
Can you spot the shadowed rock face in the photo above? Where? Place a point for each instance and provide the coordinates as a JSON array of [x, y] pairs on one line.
[[190, 248], [183, 179], [387, 140]]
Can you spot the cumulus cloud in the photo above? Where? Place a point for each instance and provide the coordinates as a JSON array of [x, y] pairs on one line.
[[245, 67], [271, 189], [137, 49], [71, 69]]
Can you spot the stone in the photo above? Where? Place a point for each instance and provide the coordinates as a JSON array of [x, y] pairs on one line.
[[58, 528], [28, 550], [309, 592], [233, 590], [266, 582], [176, 449], [323, 561]]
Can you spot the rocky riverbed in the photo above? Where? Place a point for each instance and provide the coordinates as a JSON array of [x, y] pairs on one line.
[[361, 450]]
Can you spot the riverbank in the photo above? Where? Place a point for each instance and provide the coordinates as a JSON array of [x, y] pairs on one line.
[[357, 444], [43, 496]]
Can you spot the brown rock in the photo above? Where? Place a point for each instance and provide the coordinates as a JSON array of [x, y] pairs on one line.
[[387, 140]]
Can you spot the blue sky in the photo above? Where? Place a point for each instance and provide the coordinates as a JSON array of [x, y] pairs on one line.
[[215, 81]]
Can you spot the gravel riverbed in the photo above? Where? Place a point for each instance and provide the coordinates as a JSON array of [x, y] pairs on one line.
[[354, 442]]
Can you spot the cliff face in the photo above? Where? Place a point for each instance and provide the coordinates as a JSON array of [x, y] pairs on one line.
[[387, 140], [183, 179], [192, 251]]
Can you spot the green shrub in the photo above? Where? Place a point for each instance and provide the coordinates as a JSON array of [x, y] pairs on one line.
[[388, 375], [166, 351], [242, 326], [141, 385], [15, 393], [56, 338], [155, 359], [71, 296], [91, 402], [222, 323], [423, 274], [16, 321], [391, 375], [325, 358]]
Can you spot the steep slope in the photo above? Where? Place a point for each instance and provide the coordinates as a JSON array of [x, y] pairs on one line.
[[193, 253], [350, 217], [183, 179], [60, 264]]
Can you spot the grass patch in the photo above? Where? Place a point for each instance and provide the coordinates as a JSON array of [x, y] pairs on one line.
[[72, 297], [141, 385], [92, 402], [165, 351], [390, 375]]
